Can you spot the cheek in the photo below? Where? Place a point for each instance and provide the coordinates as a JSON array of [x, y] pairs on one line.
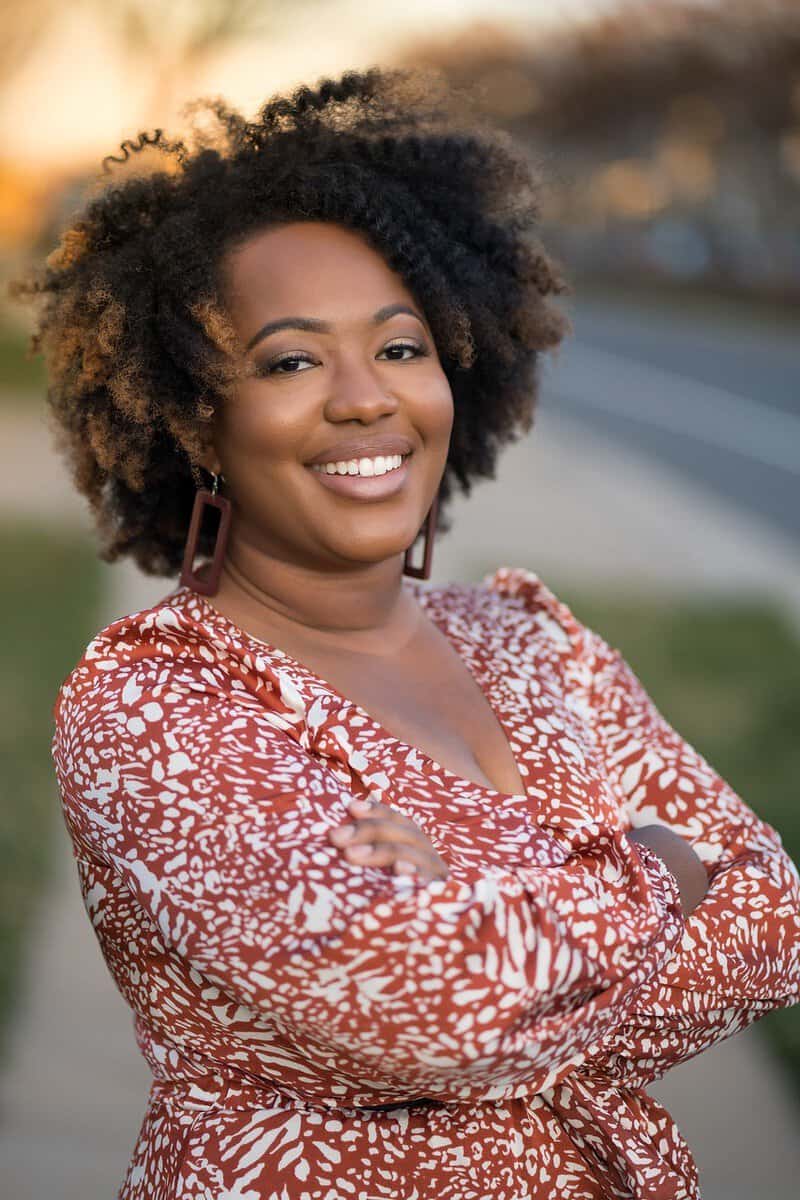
[[437, 413], [263, 426]]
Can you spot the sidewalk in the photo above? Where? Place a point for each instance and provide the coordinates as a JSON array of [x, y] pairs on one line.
[[570, 508]]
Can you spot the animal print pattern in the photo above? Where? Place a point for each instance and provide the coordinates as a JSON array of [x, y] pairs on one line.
[[321, 1030]]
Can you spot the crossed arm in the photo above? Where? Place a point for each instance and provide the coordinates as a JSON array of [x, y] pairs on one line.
[[739, 956], [216, 819]]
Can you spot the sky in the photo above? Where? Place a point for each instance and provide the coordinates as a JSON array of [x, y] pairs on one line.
[[76, 98]]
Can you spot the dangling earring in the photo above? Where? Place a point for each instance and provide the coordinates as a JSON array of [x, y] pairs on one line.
[[429, 528], [204, 499]]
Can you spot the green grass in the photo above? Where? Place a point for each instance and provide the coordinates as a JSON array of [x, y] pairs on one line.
[[24, 380], [48, 607], [727, 677]]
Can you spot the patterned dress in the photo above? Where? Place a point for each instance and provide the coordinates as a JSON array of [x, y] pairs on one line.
[[321, 1030]]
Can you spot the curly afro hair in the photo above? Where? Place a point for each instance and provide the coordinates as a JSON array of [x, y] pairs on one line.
[[139, 350]]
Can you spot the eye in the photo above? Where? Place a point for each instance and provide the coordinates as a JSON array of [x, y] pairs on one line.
[[419, 351], [271, 368]]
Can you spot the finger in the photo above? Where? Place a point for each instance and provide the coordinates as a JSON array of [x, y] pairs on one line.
[[378, 812], [400, 866], [382, 854], [373, 808], [378, 830], [381, 829], [361, 807], [404, 866]]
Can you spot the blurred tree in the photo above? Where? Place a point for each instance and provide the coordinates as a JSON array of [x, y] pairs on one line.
[[171, 43], [21, 28], [669, 131]]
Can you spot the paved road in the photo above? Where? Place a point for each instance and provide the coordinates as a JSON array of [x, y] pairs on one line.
[[712, 395]]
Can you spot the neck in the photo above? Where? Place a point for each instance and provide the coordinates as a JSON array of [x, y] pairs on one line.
[[365, 610]]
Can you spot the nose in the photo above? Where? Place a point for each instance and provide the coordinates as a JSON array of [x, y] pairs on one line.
[[358, 393]]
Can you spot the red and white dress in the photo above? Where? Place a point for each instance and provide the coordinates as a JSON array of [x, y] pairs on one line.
[[320, 1030]]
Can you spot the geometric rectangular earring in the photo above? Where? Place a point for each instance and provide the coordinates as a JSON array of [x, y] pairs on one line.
[[428, 529], [204, 499]]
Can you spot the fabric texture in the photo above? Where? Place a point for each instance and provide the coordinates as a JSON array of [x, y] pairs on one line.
[[320, 1030]]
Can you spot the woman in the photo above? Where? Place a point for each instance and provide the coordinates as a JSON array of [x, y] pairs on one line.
[[411, 889]]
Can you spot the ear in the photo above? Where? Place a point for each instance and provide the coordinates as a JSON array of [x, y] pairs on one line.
[[210, 461]]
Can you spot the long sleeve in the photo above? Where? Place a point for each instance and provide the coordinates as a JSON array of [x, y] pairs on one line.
[[203, 799], [739, 956]]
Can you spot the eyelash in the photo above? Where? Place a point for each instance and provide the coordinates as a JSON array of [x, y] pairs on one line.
[[270, 368]]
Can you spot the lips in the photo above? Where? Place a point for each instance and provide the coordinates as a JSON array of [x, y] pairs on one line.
[[365, 487], [363, 448]]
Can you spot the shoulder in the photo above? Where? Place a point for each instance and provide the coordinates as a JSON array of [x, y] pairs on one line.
[[514, 600], [590, 659], [525, 592], [170, 640]]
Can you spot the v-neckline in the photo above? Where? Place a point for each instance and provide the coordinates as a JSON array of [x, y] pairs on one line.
[[303, 670]]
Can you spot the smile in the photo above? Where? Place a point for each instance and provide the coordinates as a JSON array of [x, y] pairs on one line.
[[366, 467], [363, 483]]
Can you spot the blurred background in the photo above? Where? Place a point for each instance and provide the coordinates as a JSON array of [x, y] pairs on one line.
[[658, 494]]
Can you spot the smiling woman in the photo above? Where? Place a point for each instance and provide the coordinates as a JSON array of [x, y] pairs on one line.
[[351, 401], [136, 331], [461, 986]]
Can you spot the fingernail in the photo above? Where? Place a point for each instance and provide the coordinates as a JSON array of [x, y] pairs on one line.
[[360, 851], [362, 806], [407, 868], [343, 833]]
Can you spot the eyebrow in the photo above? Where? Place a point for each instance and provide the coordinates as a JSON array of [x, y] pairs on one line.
[[314, 325]]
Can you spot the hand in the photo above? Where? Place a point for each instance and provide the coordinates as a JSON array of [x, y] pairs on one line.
[[680, 859], [386, 838]]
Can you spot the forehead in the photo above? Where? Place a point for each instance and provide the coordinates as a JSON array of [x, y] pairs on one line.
[[309, 265]]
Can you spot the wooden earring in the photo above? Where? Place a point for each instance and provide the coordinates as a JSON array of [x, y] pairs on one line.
[[203, 500]]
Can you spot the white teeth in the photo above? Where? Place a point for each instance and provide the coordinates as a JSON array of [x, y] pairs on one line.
[[362, 466]]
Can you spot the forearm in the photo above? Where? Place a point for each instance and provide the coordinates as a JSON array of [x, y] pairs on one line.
[[662, 1030], [739, 956], [734, 964], [679, 858]]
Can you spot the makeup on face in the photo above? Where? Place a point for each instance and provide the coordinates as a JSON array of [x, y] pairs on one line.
[[348, 390]]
